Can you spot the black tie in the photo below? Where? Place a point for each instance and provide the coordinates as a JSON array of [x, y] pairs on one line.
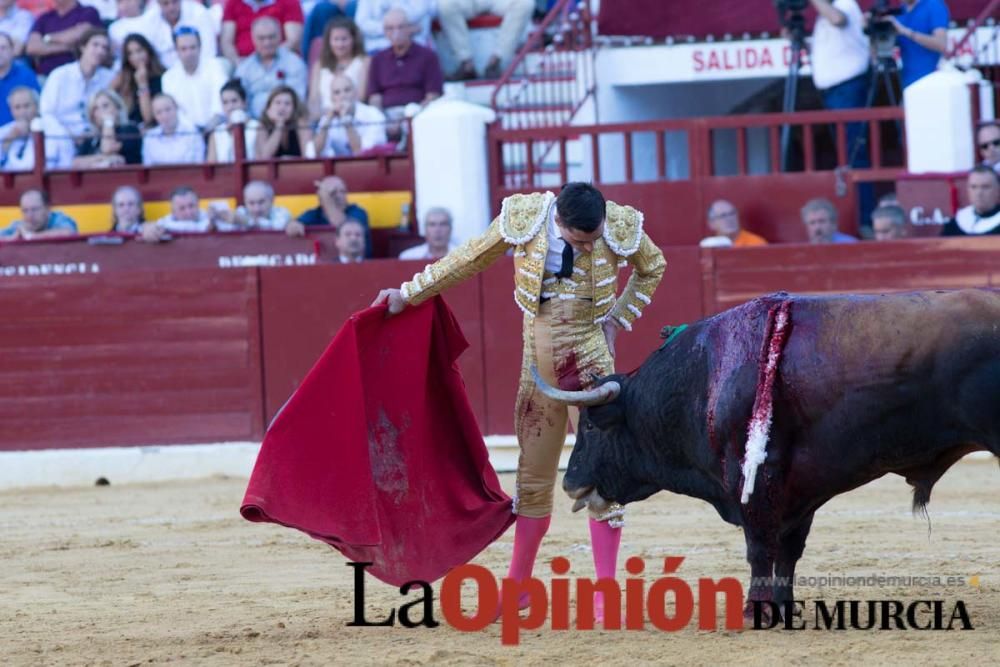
[[567, 262]]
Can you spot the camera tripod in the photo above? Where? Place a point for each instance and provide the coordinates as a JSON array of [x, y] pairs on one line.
[[797, 30], [881, 77]]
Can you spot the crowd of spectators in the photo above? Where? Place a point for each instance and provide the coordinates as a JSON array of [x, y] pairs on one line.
[[328, 78]]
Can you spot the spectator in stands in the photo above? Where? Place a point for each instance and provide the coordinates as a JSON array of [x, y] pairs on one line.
[[112, 139], [841, 61], [38, 220], [130, 20], [69, 87], [437, 236], [343, 52], [323, 12], [370, 16], [982, 215], [239, 17], [139, 80], [988, 140], [724, 221], [106, 9], [404, 73], [888, 223], [922, 37], [16, 24], [888, 199], [333, 209], [349, 127], [161, 23], [270, 65], [454, 16], [350, 241], [283, 130], [820, 218], [234, 107], [185, 216], [174, 140], [55, 37], [258, 211], [13, 74], [194, 82], [127, 214], [17, 148]]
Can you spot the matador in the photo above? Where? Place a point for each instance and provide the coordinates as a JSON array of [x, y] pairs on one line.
[[567, 254]]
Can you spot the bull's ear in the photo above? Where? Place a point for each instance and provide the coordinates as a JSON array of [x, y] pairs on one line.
[[603, 416]]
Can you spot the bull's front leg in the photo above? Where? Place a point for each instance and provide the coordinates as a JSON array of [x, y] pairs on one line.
[[762, 530], [762, 548], [789, 552]]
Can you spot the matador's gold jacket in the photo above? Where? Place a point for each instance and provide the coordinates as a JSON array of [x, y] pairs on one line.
[[522, 224]]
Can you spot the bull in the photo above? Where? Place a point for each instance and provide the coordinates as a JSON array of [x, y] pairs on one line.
[[862, 386]]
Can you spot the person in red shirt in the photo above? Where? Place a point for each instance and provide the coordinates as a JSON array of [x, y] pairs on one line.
[[238, 16]]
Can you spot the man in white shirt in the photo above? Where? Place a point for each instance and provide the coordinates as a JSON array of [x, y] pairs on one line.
[[437, 234], [369, 15], [163, 17], [69, 86], [258, 211], [194, 82], [17, 147], [349, 127], [174, 140], [841, 60], [130, 19], [185, 216]]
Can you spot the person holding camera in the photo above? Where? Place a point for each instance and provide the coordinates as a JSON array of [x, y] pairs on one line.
[[922, 37], [841, 58]]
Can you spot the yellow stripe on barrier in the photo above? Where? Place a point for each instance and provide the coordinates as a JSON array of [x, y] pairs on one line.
[[384, 209]]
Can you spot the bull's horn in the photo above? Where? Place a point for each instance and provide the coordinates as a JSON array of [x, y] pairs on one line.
[[605, 393]]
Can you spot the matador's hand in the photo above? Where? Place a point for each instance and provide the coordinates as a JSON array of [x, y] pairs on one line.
[[392, 297]]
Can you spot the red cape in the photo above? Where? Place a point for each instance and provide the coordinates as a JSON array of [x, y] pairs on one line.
[[378, 453]]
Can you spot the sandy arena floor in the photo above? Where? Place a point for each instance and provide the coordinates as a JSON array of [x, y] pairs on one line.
[[130, 575]]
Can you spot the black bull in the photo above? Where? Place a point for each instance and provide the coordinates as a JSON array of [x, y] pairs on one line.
[[866, 385]]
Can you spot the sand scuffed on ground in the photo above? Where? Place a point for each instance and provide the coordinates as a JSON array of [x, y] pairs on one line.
[[150, 574]]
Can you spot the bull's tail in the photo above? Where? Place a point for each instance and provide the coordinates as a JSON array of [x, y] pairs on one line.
[[758, 432]]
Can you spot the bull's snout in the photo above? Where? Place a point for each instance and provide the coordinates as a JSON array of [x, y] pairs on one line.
[[585, 496]]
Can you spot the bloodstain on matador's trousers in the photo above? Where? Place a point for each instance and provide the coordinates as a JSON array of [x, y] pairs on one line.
[[570, 351]]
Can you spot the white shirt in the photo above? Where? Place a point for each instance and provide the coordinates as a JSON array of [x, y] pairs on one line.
[[422, 251], [185, 146], [553, 258], [971, 222], [197, 95], [839, 54], [20, 156], [168, 223], [352, 72], [107, 9], [368, 15], [66, 93], [224, 149], [122, 28], [369, 123], [161, 35], [276, 221]]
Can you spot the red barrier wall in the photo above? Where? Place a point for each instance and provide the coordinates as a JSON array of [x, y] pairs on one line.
[[152, 357], [135, 357]]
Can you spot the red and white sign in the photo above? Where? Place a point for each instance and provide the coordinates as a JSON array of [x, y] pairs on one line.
[[751, 59]]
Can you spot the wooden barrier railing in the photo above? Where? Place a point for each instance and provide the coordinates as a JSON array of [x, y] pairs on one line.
[[163, 356]]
